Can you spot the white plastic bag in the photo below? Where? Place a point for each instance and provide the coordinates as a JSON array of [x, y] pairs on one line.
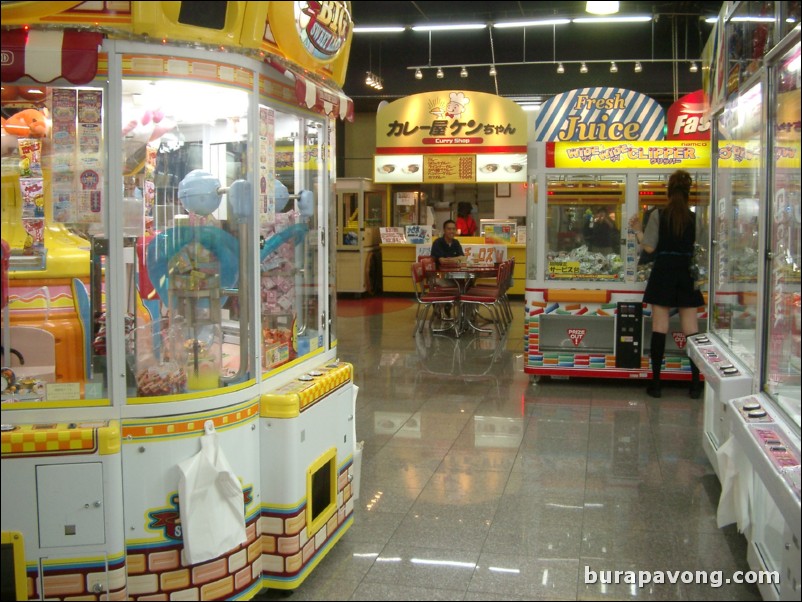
[[211, 503]]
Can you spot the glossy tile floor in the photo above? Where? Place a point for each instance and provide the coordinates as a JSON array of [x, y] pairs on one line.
[[479, 484]]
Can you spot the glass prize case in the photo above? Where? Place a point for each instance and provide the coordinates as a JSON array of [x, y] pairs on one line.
[[583, 227], [782, 353], [739, 197]]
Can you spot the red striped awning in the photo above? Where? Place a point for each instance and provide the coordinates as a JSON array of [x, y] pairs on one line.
[[45, 56], [320, 98]]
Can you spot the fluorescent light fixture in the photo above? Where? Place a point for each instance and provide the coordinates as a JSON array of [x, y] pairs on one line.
[[418, 74], [449, 27], [601, 8], [693, 68], [583, 68], [638, 67], [463, 72], [492, 72], [749, 19], [711, 20], [535, 23], [613, 67], [631, 19], [560, 68], [439, 73], [378, 29]]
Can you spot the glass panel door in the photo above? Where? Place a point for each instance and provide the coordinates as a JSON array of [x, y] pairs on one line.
[[735, 231], [782, 361]]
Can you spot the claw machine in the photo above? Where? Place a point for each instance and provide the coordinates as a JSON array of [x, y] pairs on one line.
[[361, 209], [751, 355], [170, 289], [584, 315]]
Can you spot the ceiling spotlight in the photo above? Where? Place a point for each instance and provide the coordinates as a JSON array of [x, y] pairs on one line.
[[638, 67], [601, 8], [694, 68], [374, 81], [613, 67], [418, 74], [560, 68], [439, 73], [463, 72], [492, 72], [583, 68]]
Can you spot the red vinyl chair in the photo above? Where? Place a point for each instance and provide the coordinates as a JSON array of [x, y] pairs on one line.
[[491, 299], [434, 301], [430, 269]]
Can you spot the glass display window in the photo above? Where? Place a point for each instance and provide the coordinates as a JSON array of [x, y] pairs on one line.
[[188, 237], [652, 196], [349, 228], [583, 227], [54, 201], [750, 36], [291, 255], [782, 356], [734, 278]]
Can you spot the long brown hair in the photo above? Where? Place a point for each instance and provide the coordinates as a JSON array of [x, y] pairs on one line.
[[677, 212]]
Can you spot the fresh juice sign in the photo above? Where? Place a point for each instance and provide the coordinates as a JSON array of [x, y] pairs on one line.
[[600, 114]]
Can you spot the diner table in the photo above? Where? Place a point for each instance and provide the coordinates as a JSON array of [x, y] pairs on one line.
[[464, 275]]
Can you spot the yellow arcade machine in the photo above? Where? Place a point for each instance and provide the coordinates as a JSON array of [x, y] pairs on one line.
[[181, 265]]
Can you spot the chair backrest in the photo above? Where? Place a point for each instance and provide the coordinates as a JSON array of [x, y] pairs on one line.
[[418, 279], [429, 268]]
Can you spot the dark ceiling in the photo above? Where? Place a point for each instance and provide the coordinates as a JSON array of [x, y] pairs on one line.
[[675, 36]]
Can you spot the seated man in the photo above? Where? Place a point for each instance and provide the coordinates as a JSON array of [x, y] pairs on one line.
[[447, 250]]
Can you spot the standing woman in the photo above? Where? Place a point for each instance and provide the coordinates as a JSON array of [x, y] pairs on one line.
[[466, 225], [670, 235]]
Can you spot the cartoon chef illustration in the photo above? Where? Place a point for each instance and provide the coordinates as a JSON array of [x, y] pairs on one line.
[[456, 104]]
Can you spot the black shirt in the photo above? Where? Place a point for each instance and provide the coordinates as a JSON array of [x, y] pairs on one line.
[[440, 249]]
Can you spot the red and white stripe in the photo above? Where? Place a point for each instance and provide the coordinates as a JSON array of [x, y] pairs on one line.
[[323, 99], [45, 56]]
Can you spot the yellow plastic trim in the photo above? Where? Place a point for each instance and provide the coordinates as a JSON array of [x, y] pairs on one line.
[[38, 405], [272, 405], [573, 294], [18, 553], [109, 438], [314, 525], [25, 12]]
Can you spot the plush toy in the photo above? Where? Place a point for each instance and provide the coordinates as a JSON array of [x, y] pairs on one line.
[[28, 123], [151, 126]]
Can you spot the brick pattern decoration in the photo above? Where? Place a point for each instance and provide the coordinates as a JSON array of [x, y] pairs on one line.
[[86, 580], [159, 573], [288, 548]]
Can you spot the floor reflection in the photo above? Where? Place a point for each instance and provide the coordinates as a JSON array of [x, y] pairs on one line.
[[478, 484]]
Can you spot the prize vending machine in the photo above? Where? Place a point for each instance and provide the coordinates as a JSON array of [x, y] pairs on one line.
[[169, 297], [750, 357], [585, 274]]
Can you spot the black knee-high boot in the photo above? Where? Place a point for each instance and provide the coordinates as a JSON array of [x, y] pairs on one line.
[[657, 352], [695, 390]]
